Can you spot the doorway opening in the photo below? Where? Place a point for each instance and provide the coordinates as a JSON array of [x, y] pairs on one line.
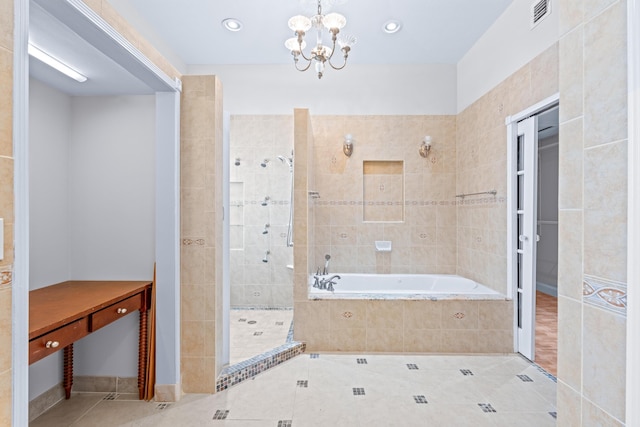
[[533, 230]]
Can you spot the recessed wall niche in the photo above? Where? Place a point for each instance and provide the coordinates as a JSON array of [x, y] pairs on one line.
[[383, 190]]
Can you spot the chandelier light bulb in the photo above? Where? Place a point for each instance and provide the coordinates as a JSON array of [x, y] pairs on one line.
[[300, 23], [334, 20], [293, 45]]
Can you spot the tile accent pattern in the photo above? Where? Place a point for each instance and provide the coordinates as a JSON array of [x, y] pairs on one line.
[[466, 372], [486, 407], [525, 378], [607, 294], [420, 399], [358, 391], [235, 374], [221, 414]]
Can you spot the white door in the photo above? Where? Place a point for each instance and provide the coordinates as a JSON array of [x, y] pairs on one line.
[[526, 234]]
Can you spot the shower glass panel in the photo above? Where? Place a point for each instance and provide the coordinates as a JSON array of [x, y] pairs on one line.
[[236, 216]]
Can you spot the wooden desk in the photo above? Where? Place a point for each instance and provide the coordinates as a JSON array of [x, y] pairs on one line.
[[63, 313]]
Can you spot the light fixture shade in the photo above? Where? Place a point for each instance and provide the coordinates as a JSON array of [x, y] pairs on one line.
[[346, 41], [334, 20], [300, 23], [293, 45]]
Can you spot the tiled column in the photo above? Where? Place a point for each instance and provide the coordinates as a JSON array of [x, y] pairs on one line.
[[6, 204], [201, 232], [593, 205]]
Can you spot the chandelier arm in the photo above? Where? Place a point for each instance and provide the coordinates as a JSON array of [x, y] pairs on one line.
[[305, 68], [340, 67]]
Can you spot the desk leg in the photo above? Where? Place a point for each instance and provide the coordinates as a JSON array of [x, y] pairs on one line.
[[142, 354], [68, 370]]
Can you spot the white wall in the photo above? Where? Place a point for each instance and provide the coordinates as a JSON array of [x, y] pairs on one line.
[[355, 90], [50, 119], [99, 185], [509, 44], [49, 126]]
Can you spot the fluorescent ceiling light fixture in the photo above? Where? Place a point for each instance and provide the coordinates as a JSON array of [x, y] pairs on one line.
[[232, 24], [392, 26], [54, 63]]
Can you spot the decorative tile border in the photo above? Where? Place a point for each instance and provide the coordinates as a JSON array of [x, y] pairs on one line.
[[235, 374], [192, 242], [606, 294], [477, 201], [6, 275]]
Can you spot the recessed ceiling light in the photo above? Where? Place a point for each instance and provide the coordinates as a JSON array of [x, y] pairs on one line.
[[232, 24], [392, 26]]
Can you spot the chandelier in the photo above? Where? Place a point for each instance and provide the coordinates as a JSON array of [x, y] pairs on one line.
[[320, 55]]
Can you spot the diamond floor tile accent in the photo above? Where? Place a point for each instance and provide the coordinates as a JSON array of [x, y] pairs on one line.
[[221, 414], [412, 366], [420, 399], [525, 378], [466, 372], [111, 396], [303, 383], [285, 423], [486, 407], [257, 334], [361, 361], [314, 355], [279, 323], [358, 391], [242, 320], [161, 406]]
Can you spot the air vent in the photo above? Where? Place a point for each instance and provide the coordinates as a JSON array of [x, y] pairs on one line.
[[539, 10]]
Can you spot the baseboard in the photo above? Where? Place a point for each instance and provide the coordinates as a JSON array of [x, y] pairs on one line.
[[96, 384], [168, 392], [41, 404], [547, 289]]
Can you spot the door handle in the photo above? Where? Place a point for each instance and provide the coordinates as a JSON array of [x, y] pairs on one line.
[[523, 238]]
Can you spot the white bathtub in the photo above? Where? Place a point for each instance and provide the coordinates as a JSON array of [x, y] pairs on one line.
[[402, 286]]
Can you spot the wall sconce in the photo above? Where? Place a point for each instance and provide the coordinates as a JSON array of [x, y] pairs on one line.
[[425, 147], [347, 146]]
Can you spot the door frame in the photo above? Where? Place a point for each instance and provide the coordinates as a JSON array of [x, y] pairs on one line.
[[633, 232], [512, 165], [89, 25]]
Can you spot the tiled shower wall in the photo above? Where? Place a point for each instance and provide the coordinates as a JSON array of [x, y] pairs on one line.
[[482, 164], [6, 205], [593, 213], [425, 240], [257, 225]]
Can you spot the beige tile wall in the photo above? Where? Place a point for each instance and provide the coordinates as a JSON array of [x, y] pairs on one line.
[[593, 204], [425, 242], [201, 229], [6, 204], [482, 164]]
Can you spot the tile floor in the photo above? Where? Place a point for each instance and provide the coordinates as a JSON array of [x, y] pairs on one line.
[[254, 331], [345, 390], [547, 332]]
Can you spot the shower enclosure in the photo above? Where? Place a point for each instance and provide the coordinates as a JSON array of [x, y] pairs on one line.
[[261, 174]]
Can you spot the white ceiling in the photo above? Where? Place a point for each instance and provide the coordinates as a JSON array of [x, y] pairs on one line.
[[434, 31]]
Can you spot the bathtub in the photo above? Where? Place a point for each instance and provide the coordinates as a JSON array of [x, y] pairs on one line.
[[402, 286]]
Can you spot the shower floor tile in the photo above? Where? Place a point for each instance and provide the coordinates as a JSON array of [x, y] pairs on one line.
[[253, 332]]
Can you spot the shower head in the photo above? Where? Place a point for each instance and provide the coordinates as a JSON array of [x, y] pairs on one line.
[[287, 160], [264, 163]]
